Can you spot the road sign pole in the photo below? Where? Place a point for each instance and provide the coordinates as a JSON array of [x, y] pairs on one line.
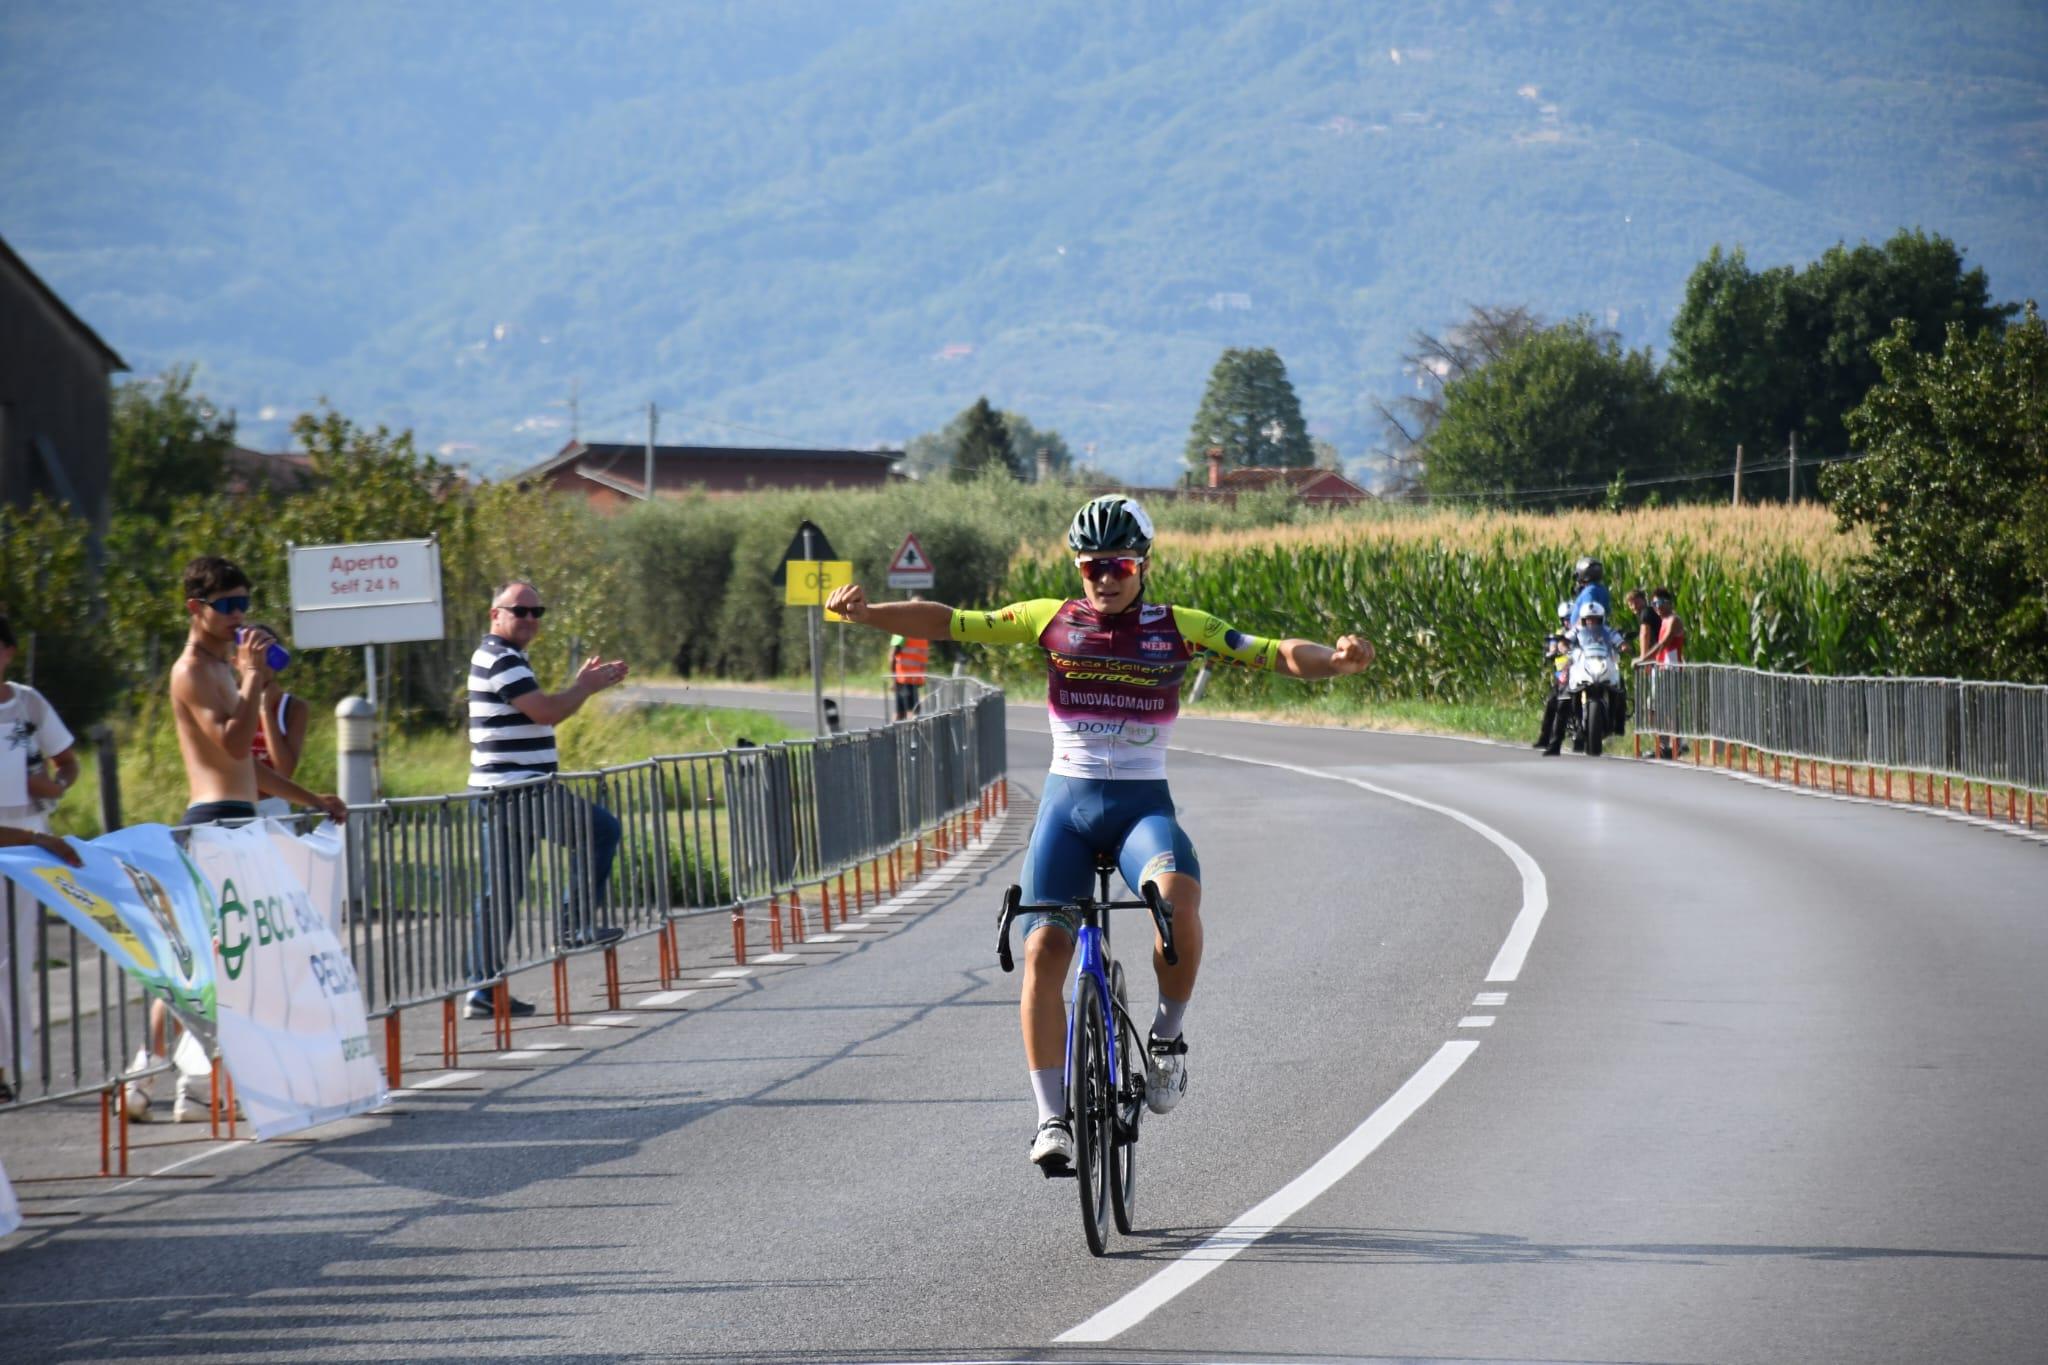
[[817, 615]]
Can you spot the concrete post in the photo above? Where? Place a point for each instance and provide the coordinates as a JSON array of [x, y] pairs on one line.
[[355, 750]]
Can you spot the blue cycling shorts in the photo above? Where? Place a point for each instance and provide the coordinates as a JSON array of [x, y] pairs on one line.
[[1078, 817]]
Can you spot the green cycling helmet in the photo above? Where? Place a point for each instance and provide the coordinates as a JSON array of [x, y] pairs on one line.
[[1110, 523]]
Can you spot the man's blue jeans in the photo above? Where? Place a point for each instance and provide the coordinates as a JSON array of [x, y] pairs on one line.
[[510, 824]]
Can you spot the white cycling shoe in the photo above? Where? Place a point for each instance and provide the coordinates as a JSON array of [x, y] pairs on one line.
[[1166, 1073], [1053, 1148]]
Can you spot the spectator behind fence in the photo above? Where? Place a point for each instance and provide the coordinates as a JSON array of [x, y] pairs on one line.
[[512, 743], [280, 735], [910, 661], [1646, 621], [218, 687], [37, 766], [1666, 649]]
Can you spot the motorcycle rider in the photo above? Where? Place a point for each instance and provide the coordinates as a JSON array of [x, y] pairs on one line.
[[1593, 630], [1588, 574]]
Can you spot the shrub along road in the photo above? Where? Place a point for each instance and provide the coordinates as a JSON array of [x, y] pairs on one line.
[[1763, 1088]]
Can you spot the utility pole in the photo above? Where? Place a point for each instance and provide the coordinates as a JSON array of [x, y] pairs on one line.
[[1738, 478], [648, 485], [1792, 469], [575, 411]]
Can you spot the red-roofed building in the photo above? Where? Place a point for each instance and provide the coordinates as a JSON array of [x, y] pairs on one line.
[[610, 476], [1323, 487]]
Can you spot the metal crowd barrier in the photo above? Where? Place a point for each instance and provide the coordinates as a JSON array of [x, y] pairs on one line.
[[1992, 734], [696, 834], [448, 893]]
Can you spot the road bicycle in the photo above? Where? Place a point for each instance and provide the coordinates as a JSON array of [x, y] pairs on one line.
[[1105, 1053]]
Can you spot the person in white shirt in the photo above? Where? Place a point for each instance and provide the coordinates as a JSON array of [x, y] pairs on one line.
[[37, 766]]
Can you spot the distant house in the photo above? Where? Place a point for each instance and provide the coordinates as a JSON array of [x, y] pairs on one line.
[[611, 476], [1323, 487], [259, 471], [55, 402]]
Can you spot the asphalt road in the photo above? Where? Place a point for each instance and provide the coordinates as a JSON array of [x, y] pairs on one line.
[[1760, 1082]]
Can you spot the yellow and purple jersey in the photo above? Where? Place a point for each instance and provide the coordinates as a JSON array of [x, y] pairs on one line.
[[1113, 682]]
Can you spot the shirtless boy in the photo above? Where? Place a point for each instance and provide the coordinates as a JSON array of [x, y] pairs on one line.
[[217, 689], [217, 700]]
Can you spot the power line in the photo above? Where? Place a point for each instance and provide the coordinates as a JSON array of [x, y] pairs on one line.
[[1565, 491]]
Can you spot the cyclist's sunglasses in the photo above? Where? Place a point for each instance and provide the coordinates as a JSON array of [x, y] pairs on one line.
[[1111, 566], [523, 612], [228, 606]]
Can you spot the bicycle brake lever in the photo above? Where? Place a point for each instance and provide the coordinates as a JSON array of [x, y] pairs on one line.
[[1010, 899], [1162, 919]]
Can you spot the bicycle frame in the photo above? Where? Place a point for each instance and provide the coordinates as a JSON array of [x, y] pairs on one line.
[[1092, 943]]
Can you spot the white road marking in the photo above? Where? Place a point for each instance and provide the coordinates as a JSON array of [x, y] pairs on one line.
[[764, 957], [436, 1082], [602, 1021], [660, 998], [1495, 998], [739, 971], [1277, 1208], [523, 1055], [1507, 963], [1476, 1021]]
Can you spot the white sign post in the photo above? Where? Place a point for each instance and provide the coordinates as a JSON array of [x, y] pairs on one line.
[[911, 568]]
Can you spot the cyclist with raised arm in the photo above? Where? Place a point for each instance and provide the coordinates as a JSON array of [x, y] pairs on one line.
[[1114, 668]]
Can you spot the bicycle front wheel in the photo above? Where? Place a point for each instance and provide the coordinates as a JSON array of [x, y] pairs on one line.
[[1089, 1106]]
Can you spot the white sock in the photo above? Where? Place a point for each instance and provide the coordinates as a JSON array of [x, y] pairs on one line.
[[1049, 1088], [1166, 1022]]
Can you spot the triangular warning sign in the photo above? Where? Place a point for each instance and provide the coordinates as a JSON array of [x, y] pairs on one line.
[[910, 559]]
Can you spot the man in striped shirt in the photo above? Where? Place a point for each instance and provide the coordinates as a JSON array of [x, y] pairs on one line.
[[511, 755]]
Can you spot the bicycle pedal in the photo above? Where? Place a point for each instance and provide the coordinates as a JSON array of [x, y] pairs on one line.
[[1057, 1172]]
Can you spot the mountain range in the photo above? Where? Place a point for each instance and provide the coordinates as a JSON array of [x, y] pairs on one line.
[[837, 224]]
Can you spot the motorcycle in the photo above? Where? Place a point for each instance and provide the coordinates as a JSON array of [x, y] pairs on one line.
[[1595, 705]]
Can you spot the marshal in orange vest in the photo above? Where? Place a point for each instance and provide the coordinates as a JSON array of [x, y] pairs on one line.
[[909, 659]]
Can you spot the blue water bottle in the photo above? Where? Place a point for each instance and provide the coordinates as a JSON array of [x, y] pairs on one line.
[[277, 656]]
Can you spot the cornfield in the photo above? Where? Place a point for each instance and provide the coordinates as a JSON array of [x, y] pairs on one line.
[[1457, 604]]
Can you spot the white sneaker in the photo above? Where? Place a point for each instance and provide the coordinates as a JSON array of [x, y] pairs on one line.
[[1053, 1148], [135, 1094], [186, 1109], [1166, 1073]]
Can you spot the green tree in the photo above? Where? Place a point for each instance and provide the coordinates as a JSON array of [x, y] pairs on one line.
[[1763, 356], [1953, 488], [166, 442], [1565, 408], [936, 452], [1250, 410], [47, 591], [1432, 362], [984, 445], [1734, 357]]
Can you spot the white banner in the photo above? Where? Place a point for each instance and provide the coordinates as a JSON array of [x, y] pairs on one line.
[[293, 1029]]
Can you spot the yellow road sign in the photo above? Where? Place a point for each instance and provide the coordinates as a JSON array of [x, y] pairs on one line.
[[808, 582]]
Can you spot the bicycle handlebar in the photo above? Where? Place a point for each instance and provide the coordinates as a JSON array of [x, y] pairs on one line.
[[1161, 908]]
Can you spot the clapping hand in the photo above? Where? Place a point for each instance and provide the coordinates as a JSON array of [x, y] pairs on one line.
[[597, 673]]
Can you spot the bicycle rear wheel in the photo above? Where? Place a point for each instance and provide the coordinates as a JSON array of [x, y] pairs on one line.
[[1089, 1105], [1129, 1106]]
